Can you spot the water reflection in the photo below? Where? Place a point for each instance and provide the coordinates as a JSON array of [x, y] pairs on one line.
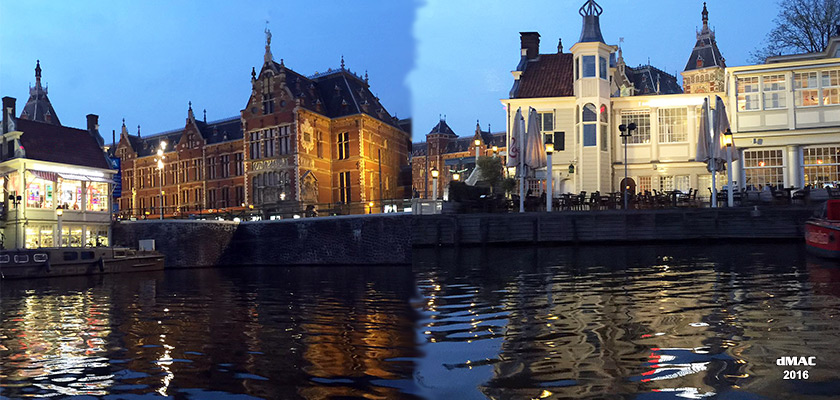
[[263, 332], [644, 322]]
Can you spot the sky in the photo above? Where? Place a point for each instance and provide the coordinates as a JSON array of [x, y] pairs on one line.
[[145, 60]]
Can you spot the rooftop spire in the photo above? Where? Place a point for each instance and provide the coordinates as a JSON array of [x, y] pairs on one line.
[[705, 14], [268, 56], [38, 107], [591, 32], [38, 73], [342, 61]]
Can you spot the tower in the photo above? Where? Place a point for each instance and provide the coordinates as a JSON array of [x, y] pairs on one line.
[[592, 103], [704, 72], [38, 107]]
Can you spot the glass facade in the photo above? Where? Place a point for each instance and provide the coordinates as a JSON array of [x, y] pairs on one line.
[[822, 166], [763, 167]]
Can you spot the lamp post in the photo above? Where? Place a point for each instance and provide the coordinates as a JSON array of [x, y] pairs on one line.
[[435, 174], [16, 201], [626, 132], [370, 208], [456, 176], [477, 148], [160, 173], [727, 139], [495, 151], [58, 213], [549, 150]]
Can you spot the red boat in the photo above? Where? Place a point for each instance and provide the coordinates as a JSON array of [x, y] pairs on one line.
[[822, 235]]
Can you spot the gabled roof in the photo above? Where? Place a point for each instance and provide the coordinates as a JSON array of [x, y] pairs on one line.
[[648, 79], [60, 144], [549, 75], [213, 132]]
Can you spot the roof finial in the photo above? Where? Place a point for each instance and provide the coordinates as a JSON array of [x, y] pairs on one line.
[[560, 46], [268, 56], [342, 61], [138, 130], [366, 77], [705, 14], [444, 117], [205, 115], [253, 74], [123, 122], [37, 73]]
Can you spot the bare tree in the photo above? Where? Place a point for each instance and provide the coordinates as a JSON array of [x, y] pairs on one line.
[[802, 26]]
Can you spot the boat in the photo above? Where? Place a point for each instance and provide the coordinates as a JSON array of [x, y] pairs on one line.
[[822, 233], [67, 261]]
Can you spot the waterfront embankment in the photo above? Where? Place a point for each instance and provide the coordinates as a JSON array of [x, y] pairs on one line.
[[387, 239]]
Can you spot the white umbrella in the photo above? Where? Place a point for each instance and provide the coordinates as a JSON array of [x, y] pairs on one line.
[[727, 153], [515, 138], [474, 177], [534, 148]]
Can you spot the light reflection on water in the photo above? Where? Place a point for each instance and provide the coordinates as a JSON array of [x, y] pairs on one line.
[[637, 322]]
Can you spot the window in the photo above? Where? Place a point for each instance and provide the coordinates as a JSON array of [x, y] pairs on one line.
[[285, 140], [672, 125], [239, 164], [830, 87], [211, 167], [588, 66], [822, 166], [805, 89], [642, 119], [240, 195], [602, 67], [590, 117], [211, 198], [545, 121], [97, 196], [225, 196], [197, 196], [748, 93], [559, 141], [320, 146], [577, 69], [268, 103], [644, 184], [254, 138], [763, 167], [343, 145], [225, 165], [344, 187], [774, 91]]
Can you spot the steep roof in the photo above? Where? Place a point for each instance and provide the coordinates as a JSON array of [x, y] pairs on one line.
[[334, 93], [442, 128], [38, 107], [549, 75], [648, 79], [213, 132], [60, 144], [705, 49]]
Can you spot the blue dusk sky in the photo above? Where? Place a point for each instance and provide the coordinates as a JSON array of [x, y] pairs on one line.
[[144, 61]]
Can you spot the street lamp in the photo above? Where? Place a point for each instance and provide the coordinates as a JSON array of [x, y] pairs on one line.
[[727, 140], [435, 174], [495, 151], [16, 200], [549, 150], [626, 132], [370, 208], [477, 142], [58, 213], [160, 172], [456, 176]]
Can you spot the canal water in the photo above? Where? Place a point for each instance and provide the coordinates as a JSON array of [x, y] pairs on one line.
[[634, 322]]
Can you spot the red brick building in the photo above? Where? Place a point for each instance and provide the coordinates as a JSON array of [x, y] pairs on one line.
[[323, 140]]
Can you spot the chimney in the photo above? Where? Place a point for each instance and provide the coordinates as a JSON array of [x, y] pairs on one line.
[[114, 136], [93, 123], [530, 44], [8, 114]]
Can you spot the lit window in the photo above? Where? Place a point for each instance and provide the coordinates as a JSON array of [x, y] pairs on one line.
[[642, 120], [672, 125], [748, 93], [774, 91], [805, 89]]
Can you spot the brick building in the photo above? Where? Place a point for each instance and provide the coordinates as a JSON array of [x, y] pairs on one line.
[[323, 140], [449, 154]]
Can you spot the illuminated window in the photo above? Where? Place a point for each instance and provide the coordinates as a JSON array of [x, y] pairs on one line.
[[805, 89], [344, 187], [97, 196], [590, 117], [343, 145], [763, 167], [642, 119], [822, 166], [830, 87]]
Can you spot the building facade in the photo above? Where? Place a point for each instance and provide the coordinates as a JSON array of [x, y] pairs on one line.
[[784, 115], [322, 141], [449, 154], [56, 180]]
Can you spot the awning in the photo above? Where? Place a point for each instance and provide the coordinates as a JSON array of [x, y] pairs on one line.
[[87, 178], [47, 176]]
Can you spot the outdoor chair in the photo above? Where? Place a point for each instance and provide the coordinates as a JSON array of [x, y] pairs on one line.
[[800, 196]]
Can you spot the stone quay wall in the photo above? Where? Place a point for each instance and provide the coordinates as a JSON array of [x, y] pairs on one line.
[[379, 239], [387, 239], [604, 227]]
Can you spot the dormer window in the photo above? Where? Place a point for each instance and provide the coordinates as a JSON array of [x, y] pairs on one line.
[[268, 103], [699, 62]]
